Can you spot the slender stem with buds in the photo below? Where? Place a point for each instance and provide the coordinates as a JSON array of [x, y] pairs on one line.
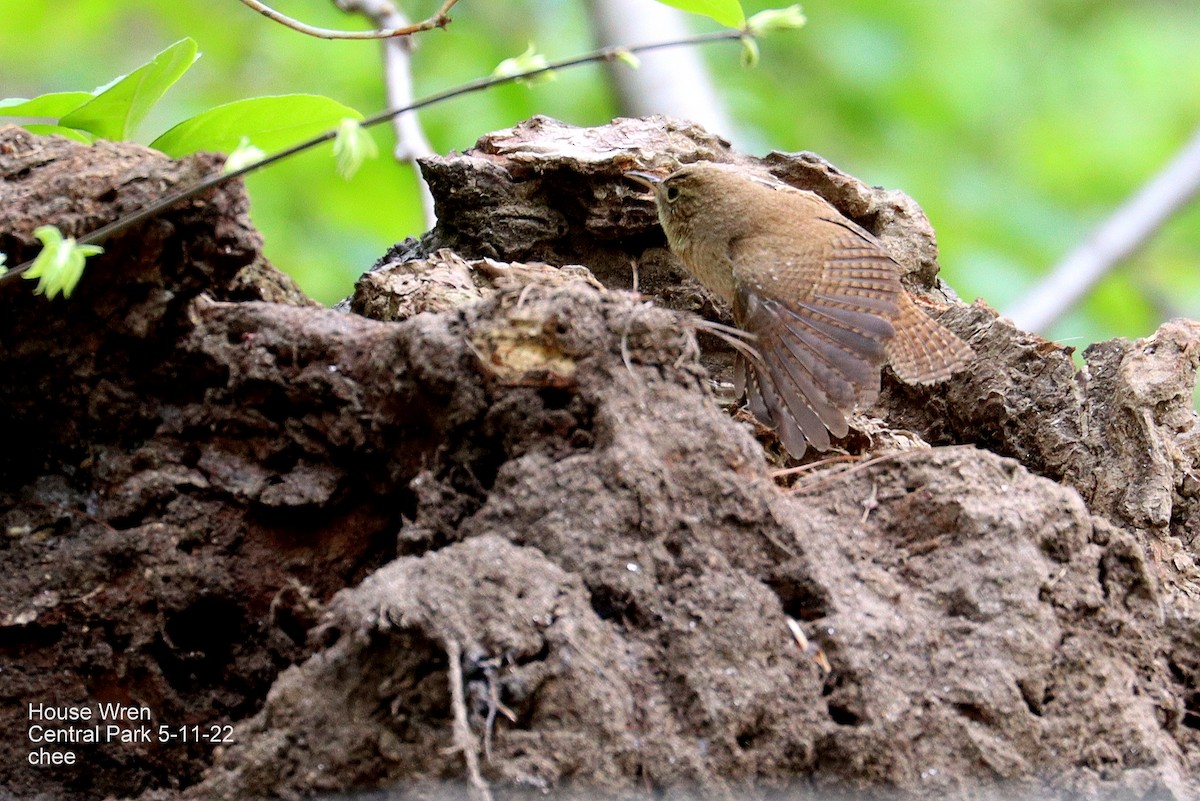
[[156, 208]]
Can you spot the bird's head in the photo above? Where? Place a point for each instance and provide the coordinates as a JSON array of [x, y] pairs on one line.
[[687, 196]]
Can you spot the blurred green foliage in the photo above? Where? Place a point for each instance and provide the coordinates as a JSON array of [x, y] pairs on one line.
[[1017, 126]]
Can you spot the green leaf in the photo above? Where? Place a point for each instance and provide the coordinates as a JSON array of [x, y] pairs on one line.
[[59, 265], [727, 12], [352, 147], [53, 105], [272, 123], [42, 129], [118, 108]]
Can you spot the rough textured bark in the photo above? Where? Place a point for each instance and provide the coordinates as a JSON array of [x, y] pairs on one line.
[[234, 506]]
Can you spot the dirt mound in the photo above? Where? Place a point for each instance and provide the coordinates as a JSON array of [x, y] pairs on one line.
[[514, 544]]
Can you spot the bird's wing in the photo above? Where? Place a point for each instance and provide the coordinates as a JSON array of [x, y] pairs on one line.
[[821, 334], [923, 351]]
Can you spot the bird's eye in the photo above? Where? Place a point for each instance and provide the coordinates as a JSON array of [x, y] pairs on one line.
[[672, 194]]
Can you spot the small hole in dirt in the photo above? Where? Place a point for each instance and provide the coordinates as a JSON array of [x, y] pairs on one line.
[[1179, 672], [801, 598], [293, 614], [605, 605], [29, 636], [1035, 701], [746, 739], [541, 655], [209, 627], [842, 715], [555, 397], [614, 606], [971, 712], [475, 474], [328, 635], [406, 505]]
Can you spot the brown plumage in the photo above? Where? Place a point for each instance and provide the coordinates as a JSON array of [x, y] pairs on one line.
[[819, 295]]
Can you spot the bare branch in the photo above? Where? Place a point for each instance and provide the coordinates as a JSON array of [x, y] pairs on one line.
[[411, 142], [1115, 240], [439, 20]]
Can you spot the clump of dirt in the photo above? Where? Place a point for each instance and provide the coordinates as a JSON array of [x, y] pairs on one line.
[[978, 621], [504, 539], [172, 523]]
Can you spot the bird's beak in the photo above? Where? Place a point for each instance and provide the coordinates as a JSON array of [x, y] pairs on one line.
[[646, 179]]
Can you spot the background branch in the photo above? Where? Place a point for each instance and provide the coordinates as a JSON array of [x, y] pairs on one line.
[[411, 142], [676, 84], [438, 20], [1117, 238]]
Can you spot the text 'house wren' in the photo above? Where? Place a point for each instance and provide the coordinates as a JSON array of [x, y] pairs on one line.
[[819, 295]]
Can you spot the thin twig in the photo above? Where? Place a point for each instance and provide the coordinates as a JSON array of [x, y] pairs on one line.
[[439, 20], [603, 54], [735, 338], [1115, 240], [464, 740], [870, 504], [720, 328], [411, 142], [67, 510], [627, 357], [799, 487], [811, 466]]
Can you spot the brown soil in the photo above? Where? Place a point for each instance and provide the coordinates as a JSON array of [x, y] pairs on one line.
[[498, 538]]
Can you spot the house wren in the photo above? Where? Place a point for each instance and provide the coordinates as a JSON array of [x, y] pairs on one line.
[[818, 294]]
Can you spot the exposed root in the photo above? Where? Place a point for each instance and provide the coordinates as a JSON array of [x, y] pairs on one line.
[[464, 740], [494, 705]]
